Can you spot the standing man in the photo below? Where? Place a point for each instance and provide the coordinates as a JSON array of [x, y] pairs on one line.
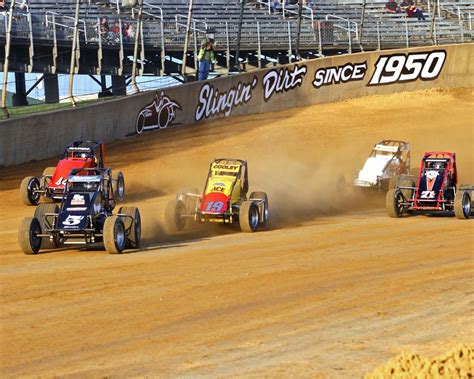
[[206, 57]]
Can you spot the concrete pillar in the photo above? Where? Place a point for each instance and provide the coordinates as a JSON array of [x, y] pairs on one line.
[[19, 98], [119, 85], [51, 88]]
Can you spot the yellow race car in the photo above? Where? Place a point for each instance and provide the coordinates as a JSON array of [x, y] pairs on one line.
[[224, 200]]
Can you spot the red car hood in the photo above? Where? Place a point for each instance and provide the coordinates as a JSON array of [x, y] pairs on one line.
[[64, 168], [214, 202]]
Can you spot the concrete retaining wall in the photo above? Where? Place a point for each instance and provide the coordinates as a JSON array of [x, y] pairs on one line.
[[45, 135]]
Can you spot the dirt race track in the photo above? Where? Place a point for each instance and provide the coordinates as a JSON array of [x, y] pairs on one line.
[[333, 288]]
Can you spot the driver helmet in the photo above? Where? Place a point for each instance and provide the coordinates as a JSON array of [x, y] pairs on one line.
[[438, 165]]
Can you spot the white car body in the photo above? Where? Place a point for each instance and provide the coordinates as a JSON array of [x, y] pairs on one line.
[[382, 163]]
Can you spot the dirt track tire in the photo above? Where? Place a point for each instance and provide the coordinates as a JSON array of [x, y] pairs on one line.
[[407, 182], [173, 216], [134, 224], [263, 210], [28, 185], [393, 182], [190, 202], [248, 216], [40, 210], [462, 205], [114, 235], [391, 203], [119, 186], [27, 239], [48, 171]]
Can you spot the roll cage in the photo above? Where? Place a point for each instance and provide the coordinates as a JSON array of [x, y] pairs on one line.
[[241, 173], [96, 180], [86, 149]]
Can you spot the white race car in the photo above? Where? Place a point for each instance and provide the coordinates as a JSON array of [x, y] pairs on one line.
[[386, 162]]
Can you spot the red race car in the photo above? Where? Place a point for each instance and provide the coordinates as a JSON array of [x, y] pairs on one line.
[[77, 155], [434, 190]]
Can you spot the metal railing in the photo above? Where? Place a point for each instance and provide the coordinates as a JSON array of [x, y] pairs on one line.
[[194, 22], [54, 22]]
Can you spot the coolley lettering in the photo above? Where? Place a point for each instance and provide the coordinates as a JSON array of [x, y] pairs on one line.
[[212, 102], [340, 74], [225, 167], [282, 80]]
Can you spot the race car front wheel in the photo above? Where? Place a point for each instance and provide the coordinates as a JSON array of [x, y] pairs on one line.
[[28, 238], [133, 226], [248, 216], [263, 210], [28, 190], [175, 222], [47, 222], [114, 235], [393, 202], [462, 205]]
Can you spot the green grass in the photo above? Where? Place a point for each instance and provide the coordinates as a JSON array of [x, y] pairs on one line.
[[39, 108]]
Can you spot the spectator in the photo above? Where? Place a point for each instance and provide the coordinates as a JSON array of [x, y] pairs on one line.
[[24, 5], [206, 57], [116, 27], [103, 27], [392, 7], [276, 6], [3, 8], [412, 10], [128, 31]]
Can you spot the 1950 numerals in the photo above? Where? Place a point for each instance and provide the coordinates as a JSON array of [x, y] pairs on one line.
[[402, 68]]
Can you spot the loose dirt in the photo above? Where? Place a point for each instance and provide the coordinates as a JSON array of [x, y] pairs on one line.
[[333, 288], [458, 363]]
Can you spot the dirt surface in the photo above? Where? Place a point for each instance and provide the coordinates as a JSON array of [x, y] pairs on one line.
[[333, 288], [457, 363]]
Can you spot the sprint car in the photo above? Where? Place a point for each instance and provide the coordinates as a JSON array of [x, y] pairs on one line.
[[77, 155], [435, 189], [388, 160], [224, 200], [85, 216]]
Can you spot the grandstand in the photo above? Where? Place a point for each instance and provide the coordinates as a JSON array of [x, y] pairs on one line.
[[42, 33]]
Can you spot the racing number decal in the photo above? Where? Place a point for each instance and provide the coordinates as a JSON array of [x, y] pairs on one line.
[[214, 206], [73, 220], [61, 181], [401, 68], [427, 194]]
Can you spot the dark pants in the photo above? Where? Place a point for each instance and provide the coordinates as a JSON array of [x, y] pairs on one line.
[[204, 67]]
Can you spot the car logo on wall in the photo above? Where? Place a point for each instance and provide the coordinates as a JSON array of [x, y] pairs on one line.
[[159, 114]]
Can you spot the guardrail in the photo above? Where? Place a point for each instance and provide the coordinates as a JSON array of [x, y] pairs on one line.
[[54, 22]]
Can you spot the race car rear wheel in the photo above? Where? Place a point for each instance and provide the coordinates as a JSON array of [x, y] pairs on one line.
[[175, 222], [133, 226], [28, 189], [119, 186], [48, 171], [263, 211], [248, 216], [393, 202], [462, 205], [29, 242], [114, 235], [46, 222]]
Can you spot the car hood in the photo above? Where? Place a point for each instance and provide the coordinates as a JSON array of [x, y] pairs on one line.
[[63, 170]]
